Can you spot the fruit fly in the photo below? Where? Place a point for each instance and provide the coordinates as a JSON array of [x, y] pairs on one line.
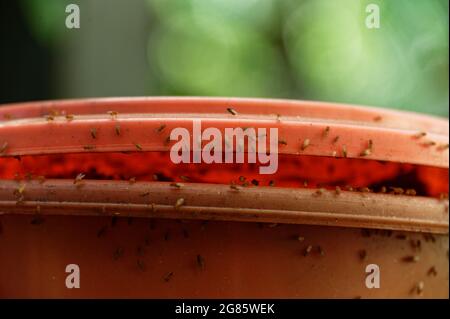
[[232, 111], [429, 143], [321, 251], [167, 140], [319, 192], [20, 190], [117, 129], [305, 144], [179, 203], [69, 117], [397, 190], [168, 276], [79, 178], [377, 118], [368, 150], [443, 147], [3, 147], [94, 133], [411, 259], [419, 135], [113, 114], [344, 151], [307, 250], [432, 271], [337, 190], [185, 178], [54, 112], [429, 237], [201, 262], [176, 185], [235, 187], [418, 288], [362, 255], [138, 146], [365, 190], [161, 128], [326, 132], [282, 142]]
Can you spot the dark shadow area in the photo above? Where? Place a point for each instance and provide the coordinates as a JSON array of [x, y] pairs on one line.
[[25, 64]]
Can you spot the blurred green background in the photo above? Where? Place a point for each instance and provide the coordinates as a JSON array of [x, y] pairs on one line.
[[297, 49]]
